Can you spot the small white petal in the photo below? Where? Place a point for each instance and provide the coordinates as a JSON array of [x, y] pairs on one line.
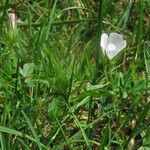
[[111, 51], [122, 45], [12, 18], [111, 54], [115, 38], [104, 41]]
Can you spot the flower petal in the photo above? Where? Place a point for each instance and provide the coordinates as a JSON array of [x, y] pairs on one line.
[[12, 17], [111, 54], [122, 45], [111, 51], [115, 38], [104, 41]]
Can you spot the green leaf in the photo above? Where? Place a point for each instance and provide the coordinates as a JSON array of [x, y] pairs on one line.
[[146, 140], [32, 82], [2, 141], [27, 69], [104, 139], [144, 148], [147, 60], [94, 87]]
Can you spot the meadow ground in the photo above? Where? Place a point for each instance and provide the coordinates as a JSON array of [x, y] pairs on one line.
[[58, 90]]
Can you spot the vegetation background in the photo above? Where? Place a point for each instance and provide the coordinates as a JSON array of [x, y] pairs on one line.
[[57, 90]]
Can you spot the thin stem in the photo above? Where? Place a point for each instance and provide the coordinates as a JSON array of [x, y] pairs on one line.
[[97, 59]]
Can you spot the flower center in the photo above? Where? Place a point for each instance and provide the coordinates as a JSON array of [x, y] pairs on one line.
[[111, 47]]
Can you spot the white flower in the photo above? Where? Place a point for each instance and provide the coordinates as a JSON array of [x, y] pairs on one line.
[[112, 44], [12, 18]]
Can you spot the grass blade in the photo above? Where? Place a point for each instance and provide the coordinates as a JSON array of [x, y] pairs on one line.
[[32, 130], [2, 141], [104, 139], [147, 60], [17, 133]]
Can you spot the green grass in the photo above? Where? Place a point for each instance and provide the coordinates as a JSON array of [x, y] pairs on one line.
[[58, 91]]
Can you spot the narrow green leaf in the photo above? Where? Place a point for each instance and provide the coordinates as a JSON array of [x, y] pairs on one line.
[[104, 139], [17, 133], [147, 60], [2, 141], [32, 129]]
